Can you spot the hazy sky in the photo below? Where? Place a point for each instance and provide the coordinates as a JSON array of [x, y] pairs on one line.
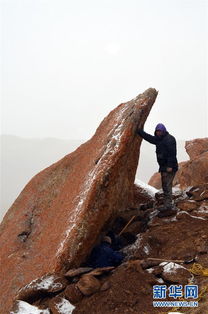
[[65, 64]]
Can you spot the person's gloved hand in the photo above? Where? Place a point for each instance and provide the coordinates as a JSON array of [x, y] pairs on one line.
[[139, 130], [169, 169]]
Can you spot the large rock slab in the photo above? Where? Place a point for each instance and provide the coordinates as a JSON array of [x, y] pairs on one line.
[[56, 219]]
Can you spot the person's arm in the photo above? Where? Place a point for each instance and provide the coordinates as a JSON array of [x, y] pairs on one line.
[[147, 137]]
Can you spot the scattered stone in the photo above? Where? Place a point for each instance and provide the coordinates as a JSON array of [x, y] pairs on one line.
[[77, 271], [175, 273], [187, 205], [101, 270], [88, 284], [198, 193], [196, 147], [105, 286], [73, 294], [49, 283], [147, 263]]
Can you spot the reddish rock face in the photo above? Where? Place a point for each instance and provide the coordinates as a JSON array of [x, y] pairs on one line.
[[155, 181], [196, 147], [194, 172], [58, 216]]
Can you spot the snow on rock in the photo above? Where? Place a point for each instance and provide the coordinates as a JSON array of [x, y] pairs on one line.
[[48, 283], [170, 267], [45, 283], [175, 273], [65, 307], [150, 190], [23, 307]]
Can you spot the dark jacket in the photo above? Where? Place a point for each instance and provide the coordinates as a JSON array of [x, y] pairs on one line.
[[165, 149], [103, 256]]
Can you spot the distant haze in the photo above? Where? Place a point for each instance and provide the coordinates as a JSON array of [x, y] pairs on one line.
[[66, 64], [23, 158]]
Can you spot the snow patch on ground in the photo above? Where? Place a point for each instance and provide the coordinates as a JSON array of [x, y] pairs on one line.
[[148, 188], [26, 308], [65, 307], [170, 267]]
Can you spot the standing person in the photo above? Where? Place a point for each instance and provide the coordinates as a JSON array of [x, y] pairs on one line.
[[167, 160]]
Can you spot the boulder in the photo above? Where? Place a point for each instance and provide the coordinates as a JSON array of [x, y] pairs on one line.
[[88, 285], [142, 193], [73, 294], [193, 172], [175, 273], [105, 286], [78, 271], [196, 147], [155, 181], [56, 219], [49, 283], [187, 205], [101, 270], [198, 193]]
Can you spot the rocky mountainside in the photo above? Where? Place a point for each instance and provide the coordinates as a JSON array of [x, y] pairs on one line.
[[58, 217], [159, 252]]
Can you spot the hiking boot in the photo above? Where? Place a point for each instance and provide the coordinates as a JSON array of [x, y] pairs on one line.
[[167, 213]]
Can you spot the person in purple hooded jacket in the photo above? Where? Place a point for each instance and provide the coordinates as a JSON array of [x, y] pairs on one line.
[[166, 157]]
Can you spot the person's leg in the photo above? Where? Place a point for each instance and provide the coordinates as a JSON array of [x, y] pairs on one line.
[[167, 181]]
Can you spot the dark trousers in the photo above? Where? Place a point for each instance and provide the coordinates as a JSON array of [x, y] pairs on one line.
[[167, 181]]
